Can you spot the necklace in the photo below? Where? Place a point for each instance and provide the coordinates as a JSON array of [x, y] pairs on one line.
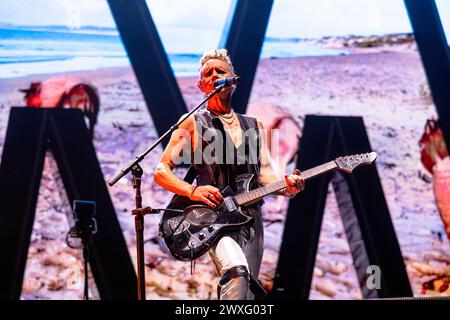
[[229, 119], [228, 115]]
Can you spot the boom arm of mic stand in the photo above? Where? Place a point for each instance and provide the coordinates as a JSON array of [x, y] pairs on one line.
[[141, 157]]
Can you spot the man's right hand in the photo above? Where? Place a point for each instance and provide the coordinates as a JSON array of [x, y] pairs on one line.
[[207, 194]]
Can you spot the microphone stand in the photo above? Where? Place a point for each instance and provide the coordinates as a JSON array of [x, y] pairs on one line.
[[139, 212]]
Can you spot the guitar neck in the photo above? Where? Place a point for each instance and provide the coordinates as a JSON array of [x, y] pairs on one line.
[[258, 193]]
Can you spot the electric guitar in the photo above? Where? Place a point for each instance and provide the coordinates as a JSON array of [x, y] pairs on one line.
[[190, 228]]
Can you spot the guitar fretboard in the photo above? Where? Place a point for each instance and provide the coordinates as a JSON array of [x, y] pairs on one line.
[[258, 193]]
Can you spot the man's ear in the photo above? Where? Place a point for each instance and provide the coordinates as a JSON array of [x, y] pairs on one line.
[[200, 85]]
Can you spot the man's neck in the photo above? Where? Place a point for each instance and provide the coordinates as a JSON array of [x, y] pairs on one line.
[[219, 106]]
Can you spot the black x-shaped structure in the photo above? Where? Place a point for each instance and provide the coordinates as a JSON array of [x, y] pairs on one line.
[[31, 132]]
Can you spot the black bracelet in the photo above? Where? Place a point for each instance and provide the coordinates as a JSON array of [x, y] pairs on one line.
[[192, 191]]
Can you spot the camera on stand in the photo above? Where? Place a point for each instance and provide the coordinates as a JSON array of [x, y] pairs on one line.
[[85, 224]]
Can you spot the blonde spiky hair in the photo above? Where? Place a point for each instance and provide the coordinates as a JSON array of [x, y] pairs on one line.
[[221, 54]]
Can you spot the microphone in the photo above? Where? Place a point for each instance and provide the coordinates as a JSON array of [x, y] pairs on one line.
[[227, 81]]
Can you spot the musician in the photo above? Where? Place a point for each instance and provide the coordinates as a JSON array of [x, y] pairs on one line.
[[237, 255]]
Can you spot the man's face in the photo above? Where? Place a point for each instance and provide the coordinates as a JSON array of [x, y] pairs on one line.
[[212, 70]]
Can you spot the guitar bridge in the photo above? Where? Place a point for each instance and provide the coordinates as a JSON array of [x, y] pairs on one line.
[[229, 204]]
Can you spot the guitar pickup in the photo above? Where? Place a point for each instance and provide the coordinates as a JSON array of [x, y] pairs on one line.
[[229, 204]]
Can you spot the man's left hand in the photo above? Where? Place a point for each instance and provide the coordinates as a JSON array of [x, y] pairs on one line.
[[294, 184]]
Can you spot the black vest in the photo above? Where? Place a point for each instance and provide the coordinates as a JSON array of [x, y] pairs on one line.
[[216, 160]]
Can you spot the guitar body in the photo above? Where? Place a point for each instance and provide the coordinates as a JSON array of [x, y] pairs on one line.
[[191, 233]]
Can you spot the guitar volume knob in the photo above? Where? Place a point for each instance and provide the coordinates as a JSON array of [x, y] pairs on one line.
[[201, 236], [211, 228]]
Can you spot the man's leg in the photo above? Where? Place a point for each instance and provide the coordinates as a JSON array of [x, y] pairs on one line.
[[232, 265], [254, 248], [240, 251], [234, 284]]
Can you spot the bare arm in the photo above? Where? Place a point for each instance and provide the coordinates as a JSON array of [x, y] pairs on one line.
[[180, 140], [183, 140]]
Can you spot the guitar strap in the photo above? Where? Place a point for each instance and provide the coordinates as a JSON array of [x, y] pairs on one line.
[[190, 176]]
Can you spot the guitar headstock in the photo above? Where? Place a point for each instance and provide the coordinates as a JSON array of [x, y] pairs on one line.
[[348, 163]]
